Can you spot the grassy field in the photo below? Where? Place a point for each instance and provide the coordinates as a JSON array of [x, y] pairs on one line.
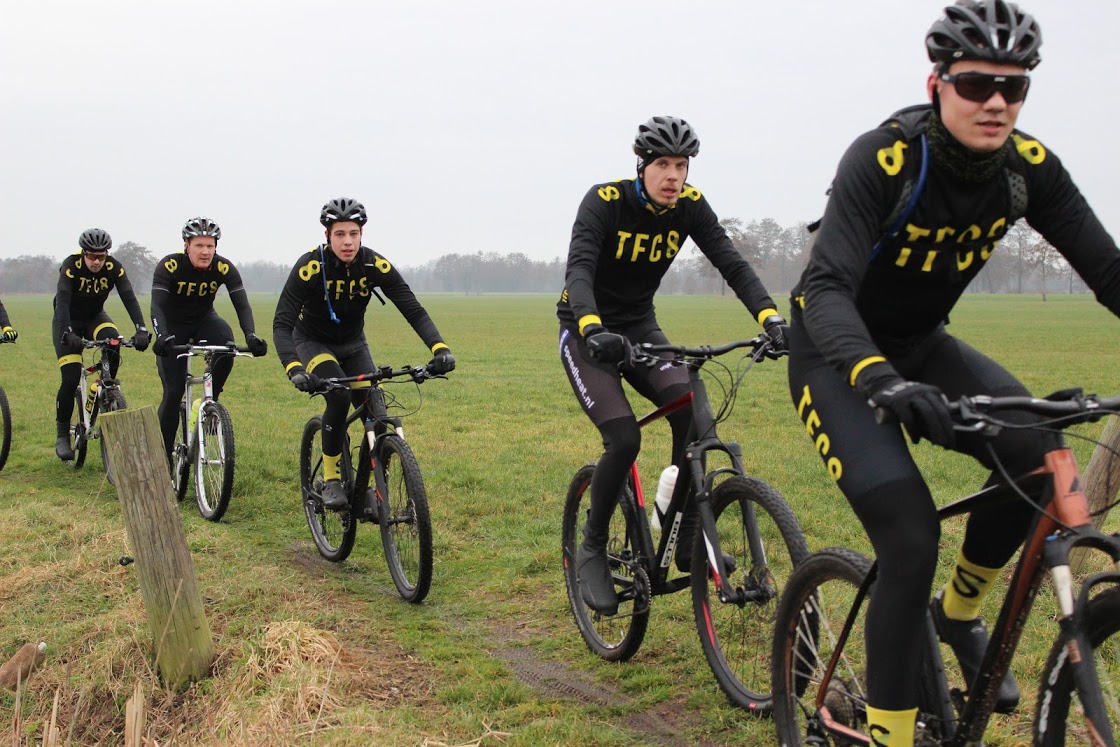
[[314, 653]]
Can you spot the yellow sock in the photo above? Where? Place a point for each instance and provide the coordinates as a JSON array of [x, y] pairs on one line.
[[330, 467], [968, 585], [891, 728]]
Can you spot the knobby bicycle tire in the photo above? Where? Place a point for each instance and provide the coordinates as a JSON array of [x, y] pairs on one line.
[[214, 461], [112, 401], [406, 524], [332, 531], [1054, 721], [736, 639], [814, 606], [78, 440], [180, 459], [5, 428], [616, 637]]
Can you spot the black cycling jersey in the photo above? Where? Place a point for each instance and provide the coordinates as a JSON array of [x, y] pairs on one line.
[[183, 296], [857, 309], [622, 246], [303, 304], [81, 294]]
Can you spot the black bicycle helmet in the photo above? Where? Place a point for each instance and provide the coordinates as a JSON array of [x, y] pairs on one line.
[[201, 227], [665, 136], [95, 240], [340, 209], [991, 30]]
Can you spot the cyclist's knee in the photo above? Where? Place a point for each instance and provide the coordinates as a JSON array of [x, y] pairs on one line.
[[622, 437], [902, 523]]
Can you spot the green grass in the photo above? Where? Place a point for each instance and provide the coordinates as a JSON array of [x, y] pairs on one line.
[[498, 442]]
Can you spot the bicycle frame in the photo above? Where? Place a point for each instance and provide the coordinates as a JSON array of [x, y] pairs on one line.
[[104, 382], [208, 353], [1047, 548], [696, 487]]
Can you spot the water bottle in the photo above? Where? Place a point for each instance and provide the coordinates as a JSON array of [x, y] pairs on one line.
[[92, 396], [664, 494]]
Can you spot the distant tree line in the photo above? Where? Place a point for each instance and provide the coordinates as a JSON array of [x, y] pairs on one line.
[[1023, 263]]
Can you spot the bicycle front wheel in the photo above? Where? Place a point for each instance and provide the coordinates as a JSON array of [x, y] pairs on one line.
[[406, 525], [180, 459], [736, 635], [814, 606], [332, 531], [78, 441], [213, 479], [5, 428], [616, 637], [1054, 723], [112, 401]]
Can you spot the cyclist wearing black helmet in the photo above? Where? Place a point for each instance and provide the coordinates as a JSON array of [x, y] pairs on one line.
[[626, 234], [319, 325], [868, 326], [183, 289], [84, 281], [6, 330]]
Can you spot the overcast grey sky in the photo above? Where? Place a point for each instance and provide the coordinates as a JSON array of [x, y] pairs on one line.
[[471, 126]]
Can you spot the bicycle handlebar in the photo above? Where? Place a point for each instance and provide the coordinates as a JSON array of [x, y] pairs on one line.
[[230, 348], [418, 374], [646, 352], [108, 342], [1070, 406]]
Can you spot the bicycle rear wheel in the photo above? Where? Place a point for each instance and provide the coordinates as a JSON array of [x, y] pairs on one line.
[[406, 525], [332, 531], [1056, 724], [180, 459], [736, 636], [213, 480], [78, 441], [616, 637], [5, 428], [112, 401]]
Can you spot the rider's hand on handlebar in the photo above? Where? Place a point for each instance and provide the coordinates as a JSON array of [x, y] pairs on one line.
[[305, 382], [9, 334], [607, 347], [922, 409], [443, 362], [71, 340], [256, 344], [163, 345], [777, 329], [140, 339]]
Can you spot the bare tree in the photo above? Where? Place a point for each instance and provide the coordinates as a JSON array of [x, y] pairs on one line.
[[139, 263]]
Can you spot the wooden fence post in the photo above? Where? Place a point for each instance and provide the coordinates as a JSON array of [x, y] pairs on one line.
[[1100, 480], [184, 645]]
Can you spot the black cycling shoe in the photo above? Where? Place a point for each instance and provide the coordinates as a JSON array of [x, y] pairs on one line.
[[334, 496], [62, 449], [62, 444], [596, 586], [969, 639]]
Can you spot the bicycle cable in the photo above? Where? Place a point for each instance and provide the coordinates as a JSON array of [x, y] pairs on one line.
[[1044, 428]]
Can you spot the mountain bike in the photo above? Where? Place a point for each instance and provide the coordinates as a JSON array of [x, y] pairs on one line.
[[742, 520], [819, 655], [97, 392], [5, 422], [396, 501], [204, 439]]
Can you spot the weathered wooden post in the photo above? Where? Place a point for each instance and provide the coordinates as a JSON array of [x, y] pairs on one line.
[[184, 645], [1101, 480]]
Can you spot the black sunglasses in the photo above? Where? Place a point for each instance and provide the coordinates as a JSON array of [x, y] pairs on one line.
[[979, 87], [96, 255]]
